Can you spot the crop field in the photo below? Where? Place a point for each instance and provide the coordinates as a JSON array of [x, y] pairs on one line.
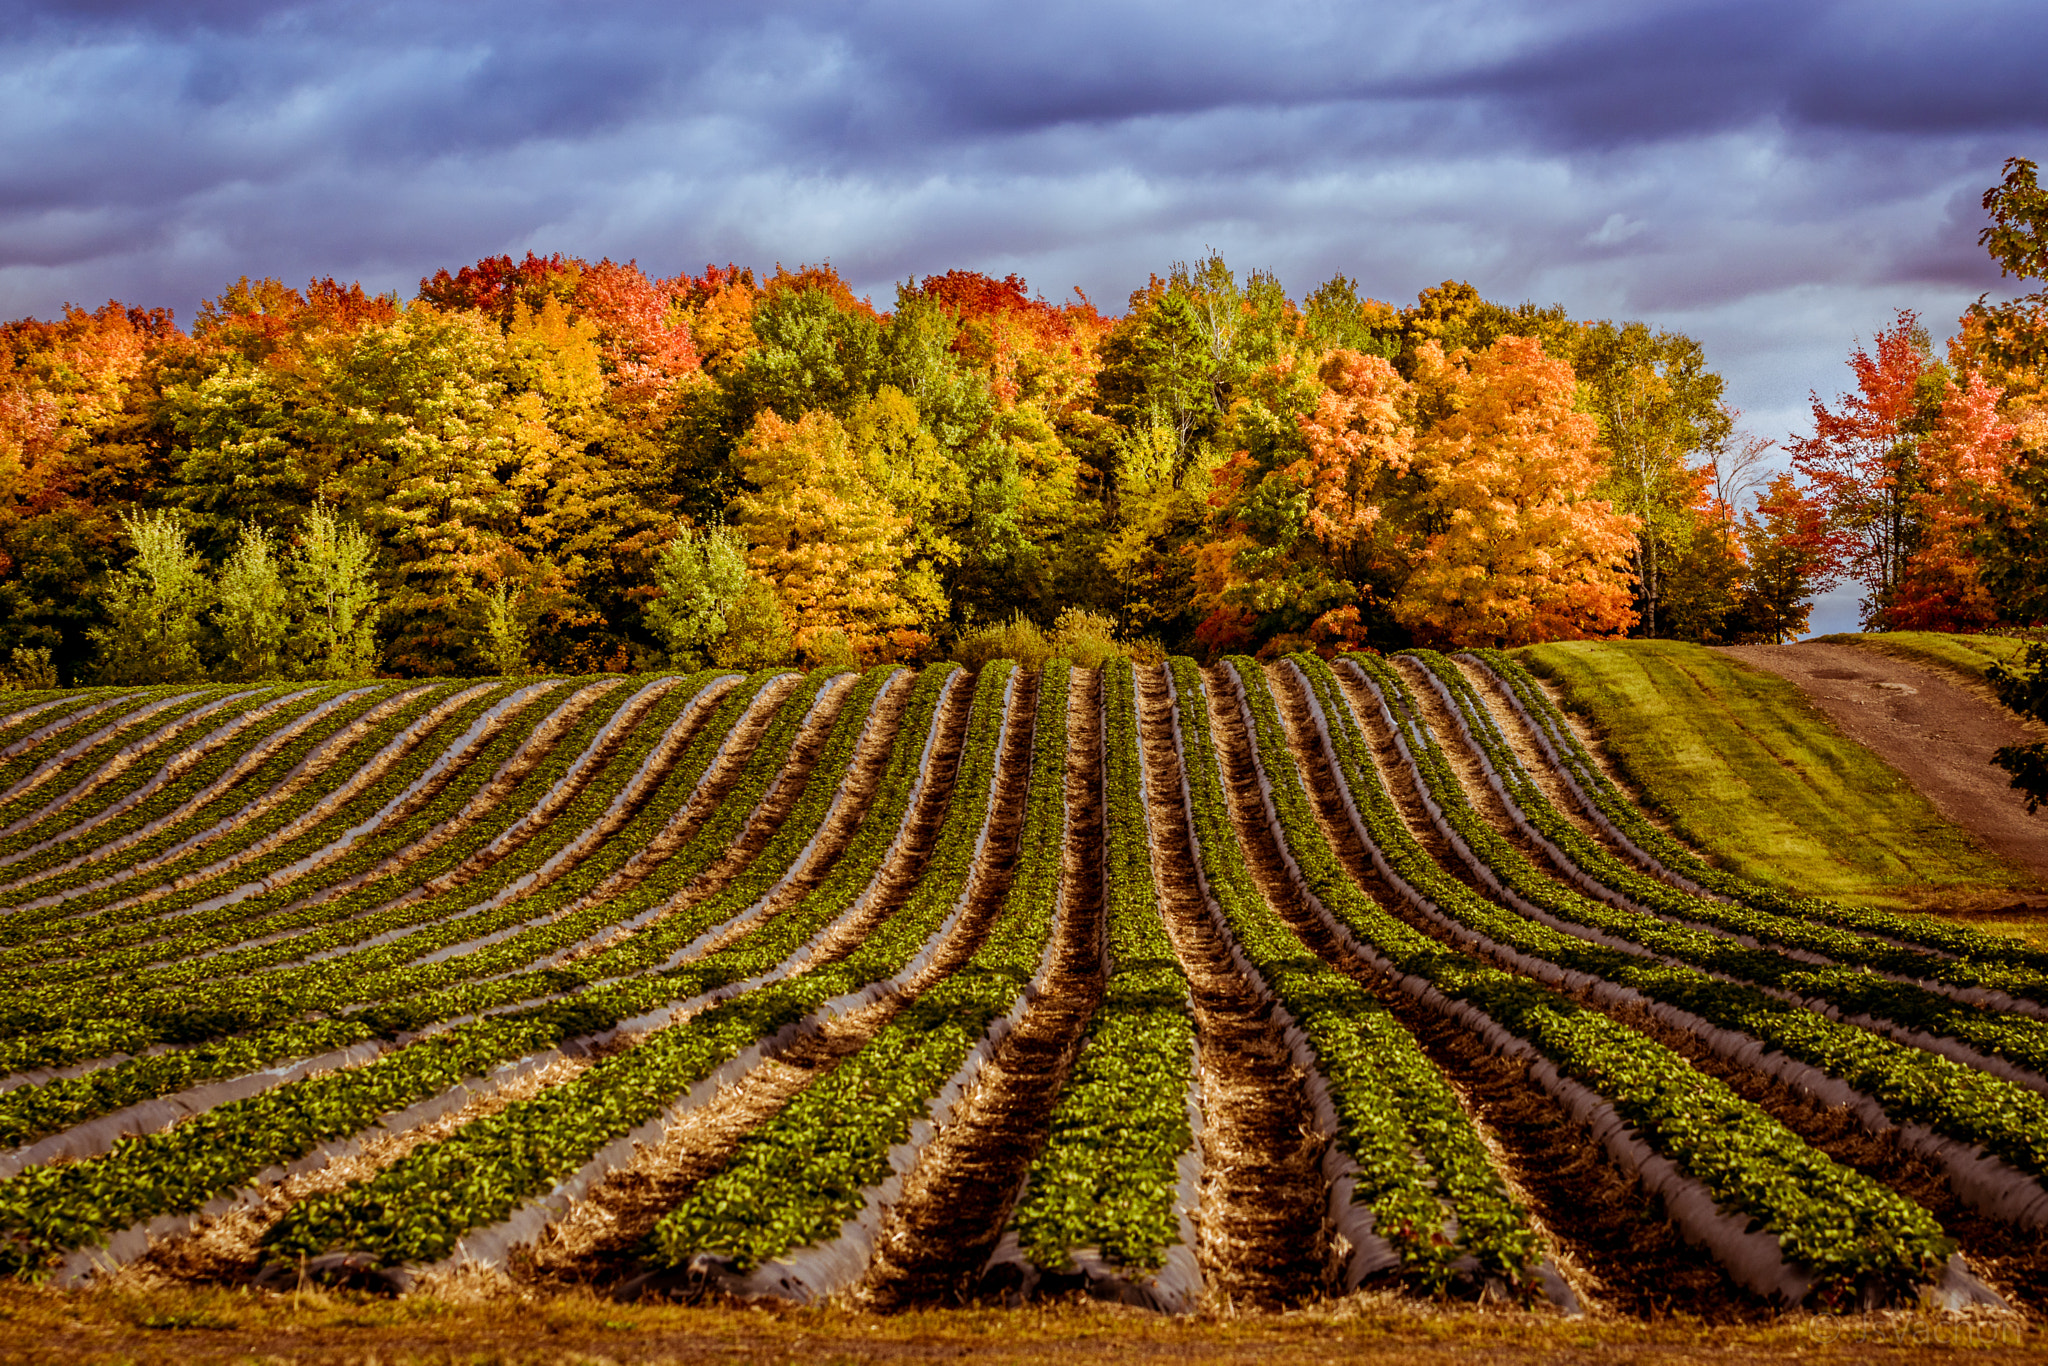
[[1192, 989]]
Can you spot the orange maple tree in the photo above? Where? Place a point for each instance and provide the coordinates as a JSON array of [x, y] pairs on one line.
[[1518, 548]]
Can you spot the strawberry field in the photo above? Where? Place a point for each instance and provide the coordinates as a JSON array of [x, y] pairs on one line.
[[1182, 987]]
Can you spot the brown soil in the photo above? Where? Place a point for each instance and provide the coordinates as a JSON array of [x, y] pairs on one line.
[[1937, 732], [954, 1204], [1264, 1236], [1611, 1241]]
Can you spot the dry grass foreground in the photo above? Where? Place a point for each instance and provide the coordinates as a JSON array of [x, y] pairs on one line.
[[195, 1327]]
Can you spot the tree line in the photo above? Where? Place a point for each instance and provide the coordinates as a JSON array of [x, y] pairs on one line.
[[556, 465]]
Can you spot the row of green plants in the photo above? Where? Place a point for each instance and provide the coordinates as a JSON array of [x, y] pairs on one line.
[[1107, 1178], [77, 902], [419, 1208], [29, 1112], [1848, 1232], [51, 1043], [50, 1210], [200, 1000], [1911, 1085], [207, 795], [44, 712], [650, 953], [1642, 918], [1608, 802], [35, 741], [796, 1180], [1435, 1194]]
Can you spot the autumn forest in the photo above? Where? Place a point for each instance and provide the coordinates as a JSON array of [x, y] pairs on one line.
[[557, 465]]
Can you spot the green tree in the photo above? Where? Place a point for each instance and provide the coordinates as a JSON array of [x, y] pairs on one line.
[[2023, 686], [154, 607], [1659, 408], [756, 634], [413, 408], [334, 592], [506, 634], [699, 577], [251, 613]]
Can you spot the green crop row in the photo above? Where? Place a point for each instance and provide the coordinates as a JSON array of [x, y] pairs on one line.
[[2020, 1039], [178, 953], [97, 909], [191, 1007], [490, 978], [90, 726], [36, 1042], [85, 773], [148, 784], [419, 1207], [1845, 1229], [797, 1179], [47, 1211], [1107, 1177], [1609, 802], [1912, 1086], [1422, 1167], [47, 710]]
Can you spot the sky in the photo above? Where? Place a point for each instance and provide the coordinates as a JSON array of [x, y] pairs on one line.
[[1773, 179]]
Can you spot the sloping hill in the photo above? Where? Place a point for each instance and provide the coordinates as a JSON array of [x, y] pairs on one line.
[[1752, 771]]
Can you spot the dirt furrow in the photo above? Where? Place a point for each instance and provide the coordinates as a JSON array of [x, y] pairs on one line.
[[1263, 1237], [941, 1231], [599, 1241], [1611, 1240]]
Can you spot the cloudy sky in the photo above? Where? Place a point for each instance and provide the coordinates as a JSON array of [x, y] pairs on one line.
[[1772, 178]]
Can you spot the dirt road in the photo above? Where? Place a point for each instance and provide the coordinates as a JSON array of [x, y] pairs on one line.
[[1936, 731]]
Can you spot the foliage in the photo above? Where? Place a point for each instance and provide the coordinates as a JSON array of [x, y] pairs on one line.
[[2023, 686], [154, 607]]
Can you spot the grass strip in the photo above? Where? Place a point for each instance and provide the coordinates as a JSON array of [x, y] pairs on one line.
[[1670, 854]]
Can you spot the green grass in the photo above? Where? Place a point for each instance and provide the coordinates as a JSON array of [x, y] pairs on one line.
[[1965, 655], [1749, 772]]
